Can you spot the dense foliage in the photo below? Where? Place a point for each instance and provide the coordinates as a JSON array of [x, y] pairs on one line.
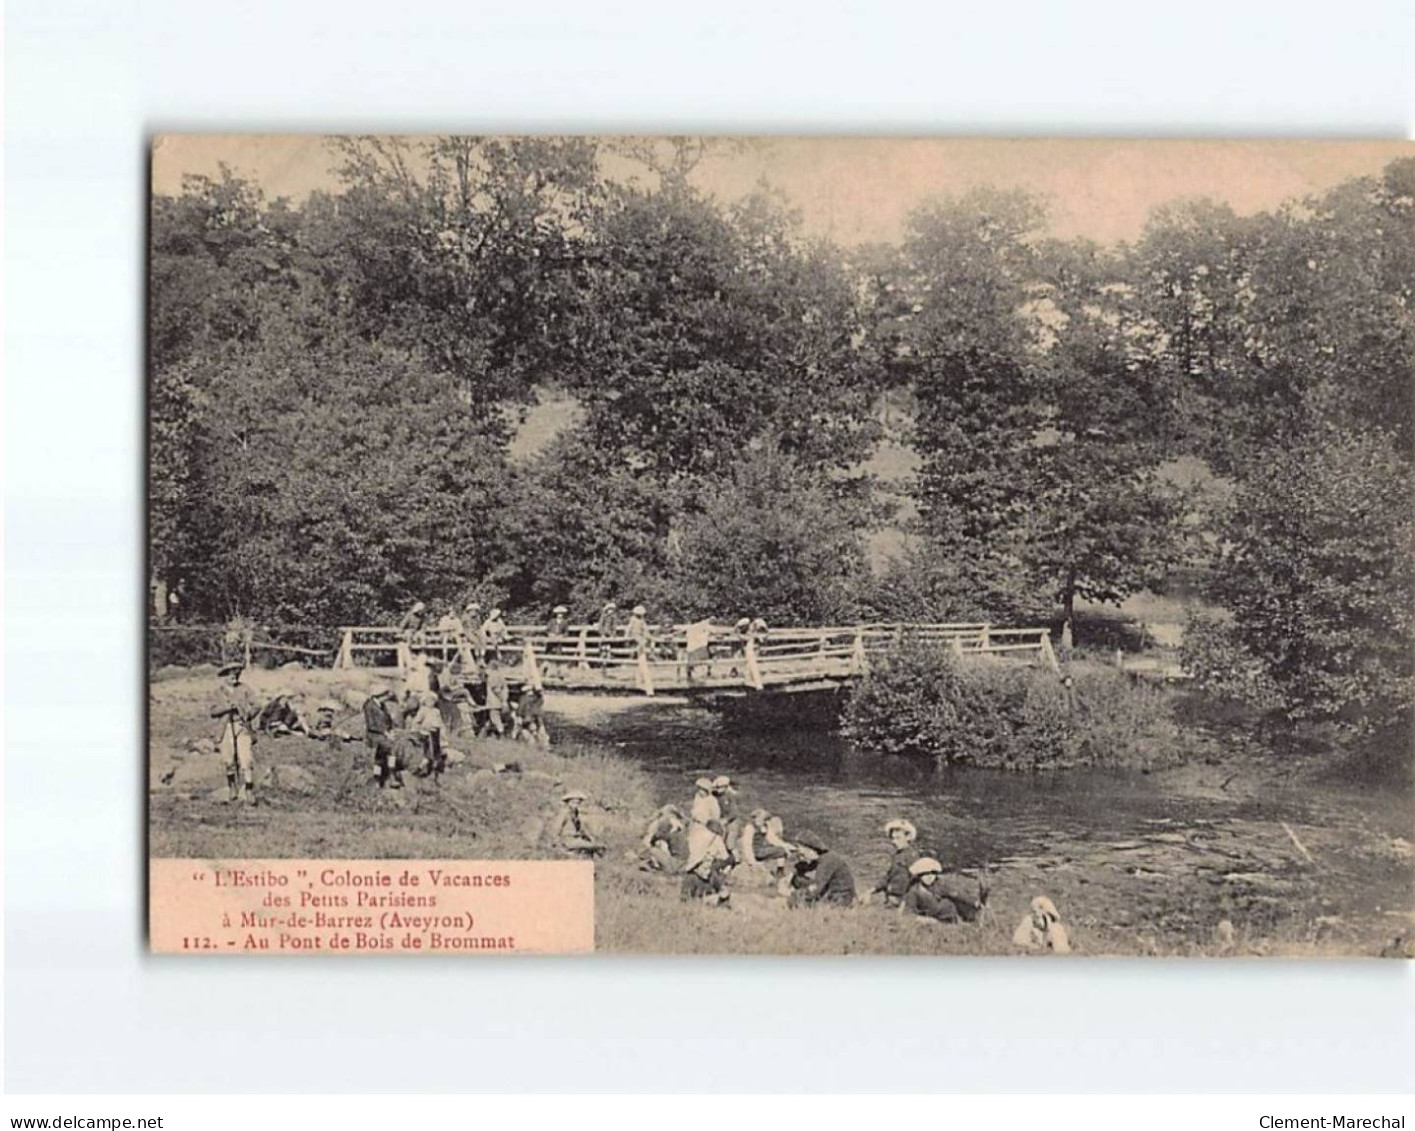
[[335, 385], [1318, 569], [918, 699]]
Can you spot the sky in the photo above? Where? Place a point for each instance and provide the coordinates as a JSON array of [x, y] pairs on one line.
[[856, 190]]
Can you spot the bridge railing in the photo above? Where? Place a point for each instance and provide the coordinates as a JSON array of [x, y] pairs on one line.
[[690, 656]]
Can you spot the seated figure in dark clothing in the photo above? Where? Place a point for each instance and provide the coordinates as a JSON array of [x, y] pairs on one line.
[[931, 897], [902, 835], [282, 715], [821, 876]]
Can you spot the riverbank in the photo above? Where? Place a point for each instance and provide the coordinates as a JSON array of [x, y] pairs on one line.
[[1139, 864]]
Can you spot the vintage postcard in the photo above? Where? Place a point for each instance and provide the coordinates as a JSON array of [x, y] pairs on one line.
[[781, 546]]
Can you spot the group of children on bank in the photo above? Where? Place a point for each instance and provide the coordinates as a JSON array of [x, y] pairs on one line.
[[716, 851], [403, 729]]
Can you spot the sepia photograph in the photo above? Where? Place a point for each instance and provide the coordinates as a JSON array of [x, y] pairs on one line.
[[783, 545]]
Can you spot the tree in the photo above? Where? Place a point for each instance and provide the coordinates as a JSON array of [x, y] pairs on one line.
[[591, 529], [713, 326], [337, 484], [1318, 569], [966, 342], [1270, 325], [954, 324], [1041, 420], [775, 540], [471, 251], [927, 582], [1102, 521], [220, 254]]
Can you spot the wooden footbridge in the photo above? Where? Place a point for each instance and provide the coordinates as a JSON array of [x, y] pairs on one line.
[[693, 659]]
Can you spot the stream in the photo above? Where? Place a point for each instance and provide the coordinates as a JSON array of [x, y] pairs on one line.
[[1166, 856]]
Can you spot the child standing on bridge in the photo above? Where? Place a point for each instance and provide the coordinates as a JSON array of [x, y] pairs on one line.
[[493, 632], [637, 629], [559, 622], [607, 628]]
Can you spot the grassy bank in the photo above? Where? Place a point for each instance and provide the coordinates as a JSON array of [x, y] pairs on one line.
[[1166, 892]]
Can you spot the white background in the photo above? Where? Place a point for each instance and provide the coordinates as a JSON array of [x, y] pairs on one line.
[[86, 1010]]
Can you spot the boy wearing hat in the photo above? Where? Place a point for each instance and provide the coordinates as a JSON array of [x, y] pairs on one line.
[[529, 718], [568, 831], [498, 698], [413, 620], [452, 630], [703, 811], [447, 686], [378, 734], [410, 633], [559, 622], [902, 835], [493, 631], [637, 629], [422, 717], [607, 617], [822, 876], [606, 628], [237, 709], [926, 895]]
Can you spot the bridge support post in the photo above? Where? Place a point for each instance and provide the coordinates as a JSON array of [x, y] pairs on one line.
[[582, 652], [859, 663], [1049, 653], [346, 651], [645, 675]]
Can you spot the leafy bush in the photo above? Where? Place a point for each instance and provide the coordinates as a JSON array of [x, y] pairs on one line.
[[1119, 722], [1214, 654], [915, 701], [776, 540], [919, 699]]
